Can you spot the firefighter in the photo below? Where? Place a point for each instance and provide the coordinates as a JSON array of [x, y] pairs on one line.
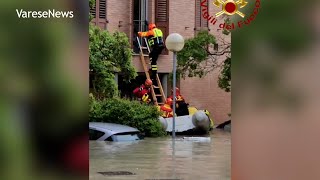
[[156, 42], [179, 97], [143, 92], [166, 109], [211, 120], [181, 105]]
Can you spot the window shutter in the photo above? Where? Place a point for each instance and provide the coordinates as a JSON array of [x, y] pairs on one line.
[[198, 14], [99, 12], [200, 22], [102, 9], [93, 11], [162, 18], [204, 22], [161, 10]]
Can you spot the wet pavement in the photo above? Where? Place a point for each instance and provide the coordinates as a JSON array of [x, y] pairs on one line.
[[160, 158]]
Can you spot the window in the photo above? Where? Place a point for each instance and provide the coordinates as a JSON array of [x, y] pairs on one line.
[[127, 137], [95, 134], [140, 21], [200, 22], [216, 47]]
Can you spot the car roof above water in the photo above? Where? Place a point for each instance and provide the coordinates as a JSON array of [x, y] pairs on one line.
[[115, 128]]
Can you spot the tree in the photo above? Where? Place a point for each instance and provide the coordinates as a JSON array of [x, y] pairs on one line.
[[224, 81], [109, 53], [199, 57]]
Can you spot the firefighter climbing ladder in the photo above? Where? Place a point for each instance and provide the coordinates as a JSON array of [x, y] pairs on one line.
[[156, 92]]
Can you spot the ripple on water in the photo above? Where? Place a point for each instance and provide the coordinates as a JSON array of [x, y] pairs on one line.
[[153, 158]]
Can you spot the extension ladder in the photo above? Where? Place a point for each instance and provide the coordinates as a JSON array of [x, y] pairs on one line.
[[157, 92]]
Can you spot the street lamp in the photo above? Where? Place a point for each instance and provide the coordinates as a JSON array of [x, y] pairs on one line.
[[174, 43]]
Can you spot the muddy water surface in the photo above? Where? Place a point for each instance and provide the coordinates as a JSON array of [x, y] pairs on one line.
[[160, 158]]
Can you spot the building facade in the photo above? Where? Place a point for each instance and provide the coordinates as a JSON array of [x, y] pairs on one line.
[[171, 16]]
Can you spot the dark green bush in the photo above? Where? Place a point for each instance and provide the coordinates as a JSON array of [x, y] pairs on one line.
[[131, 113]]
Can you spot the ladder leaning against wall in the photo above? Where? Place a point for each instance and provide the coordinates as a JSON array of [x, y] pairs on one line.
[[157, 92]]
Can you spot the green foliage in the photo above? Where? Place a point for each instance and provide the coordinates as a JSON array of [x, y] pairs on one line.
[[92, 3], [198, 58], [91, 6], [224, 81], [194, 53], [131, 113], [228, 22], [109, 53]]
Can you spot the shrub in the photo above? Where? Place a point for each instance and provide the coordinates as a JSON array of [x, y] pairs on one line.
[[109, 53], [130, 113]]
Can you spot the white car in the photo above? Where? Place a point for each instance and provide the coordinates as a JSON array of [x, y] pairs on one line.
[[113, 132]]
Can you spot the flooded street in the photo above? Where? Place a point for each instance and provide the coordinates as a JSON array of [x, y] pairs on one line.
[[160, 158]]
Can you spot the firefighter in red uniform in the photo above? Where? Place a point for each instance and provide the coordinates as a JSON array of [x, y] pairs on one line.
[[166, 109], [181, 105], [143, 92], [156, 42], [179, 97]]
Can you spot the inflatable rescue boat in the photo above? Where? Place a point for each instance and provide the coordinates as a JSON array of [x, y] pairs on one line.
[[197, 121]]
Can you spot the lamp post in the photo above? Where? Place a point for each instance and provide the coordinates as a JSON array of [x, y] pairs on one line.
[[174, 43]]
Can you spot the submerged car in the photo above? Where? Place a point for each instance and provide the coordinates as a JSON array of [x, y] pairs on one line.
[[113, 132]]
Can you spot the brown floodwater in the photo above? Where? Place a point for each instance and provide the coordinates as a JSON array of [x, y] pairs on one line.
[[205, 158]]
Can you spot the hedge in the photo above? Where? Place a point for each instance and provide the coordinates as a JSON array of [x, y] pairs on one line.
[[126, 112]]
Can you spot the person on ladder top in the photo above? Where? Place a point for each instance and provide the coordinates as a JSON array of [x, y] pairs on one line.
[[143, 91], [155, 41]]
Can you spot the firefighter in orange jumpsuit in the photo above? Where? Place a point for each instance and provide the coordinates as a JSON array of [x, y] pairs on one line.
[[143, 92], [179, 97], [156, 42], [166, 109], [181, 105]]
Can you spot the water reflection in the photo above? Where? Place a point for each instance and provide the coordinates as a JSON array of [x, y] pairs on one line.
[[160, 158]]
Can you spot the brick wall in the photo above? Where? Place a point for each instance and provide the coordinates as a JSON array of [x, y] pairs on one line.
[[202, 93], [118, 10]]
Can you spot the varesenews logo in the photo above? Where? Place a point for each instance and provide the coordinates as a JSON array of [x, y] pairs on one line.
[[44, 14]]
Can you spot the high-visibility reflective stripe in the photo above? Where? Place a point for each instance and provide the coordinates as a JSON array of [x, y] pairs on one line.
[[151, 42], [145, 97], [154, 67], [157, 33]]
